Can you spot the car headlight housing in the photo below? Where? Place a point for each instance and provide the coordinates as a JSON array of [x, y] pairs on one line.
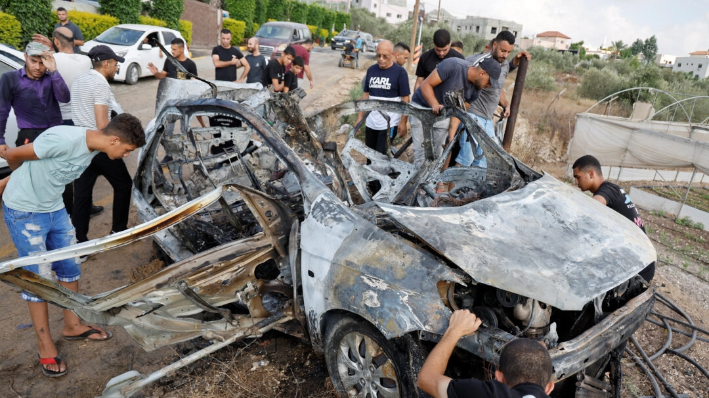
[[281, 47], [122, 53]]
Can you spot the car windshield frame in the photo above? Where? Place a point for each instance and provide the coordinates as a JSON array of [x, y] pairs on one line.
[[115, 31], [274, 32], [349, 34]]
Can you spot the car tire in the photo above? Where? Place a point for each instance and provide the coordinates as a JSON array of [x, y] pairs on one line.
[[132, 74], [361, 361], [364, 48], [342, 63], [353, 63]]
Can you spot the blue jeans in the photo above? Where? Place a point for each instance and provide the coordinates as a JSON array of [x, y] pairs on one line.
[[34, 233], [465, 156]]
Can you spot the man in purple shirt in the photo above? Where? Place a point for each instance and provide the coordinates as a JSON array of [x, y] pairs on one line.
[[34, 92]]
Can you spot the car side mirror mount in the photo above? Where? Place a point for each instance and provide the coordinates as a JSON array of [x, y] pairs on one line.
[[146, 46]]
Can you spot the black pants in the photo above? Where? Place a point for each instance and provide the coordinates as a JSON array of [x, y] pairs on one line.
[[117, 175], [377, 139], [27, 136]]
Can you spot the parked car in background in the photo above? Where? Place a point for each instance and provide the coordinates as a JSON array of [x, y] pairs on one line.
[[376, 43], [10, 60], [338, 42], [274, 37], [133, 42]]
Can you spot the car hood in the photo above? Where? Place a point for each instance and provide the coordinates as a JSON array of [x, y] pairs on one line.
[[92, 43], [546, 241]]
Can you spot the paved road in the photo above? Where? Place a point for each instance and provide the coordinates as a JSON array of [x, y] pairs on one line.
[[139, 100]]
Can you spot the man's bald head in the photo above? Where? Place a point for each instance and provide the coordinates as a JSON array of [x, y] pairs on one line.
[[64, 39], [385, 48], [388, 45]]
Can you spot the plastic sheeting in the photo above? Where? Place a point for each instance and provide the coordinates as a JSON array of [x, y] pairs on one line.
[[654, 145]]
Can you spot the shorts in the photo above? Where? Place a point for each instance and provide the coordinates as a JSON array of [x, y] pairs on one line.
[[34, 233]]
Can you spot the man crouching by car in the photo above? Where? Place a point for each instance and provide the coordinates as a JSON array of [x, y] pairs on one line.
[[525, 368]]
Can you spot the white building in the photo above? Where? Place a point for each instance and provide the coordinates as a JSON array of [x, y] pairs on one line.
[[487, 28], [552, 40], [665, 60], [697, 63], [395, 11]]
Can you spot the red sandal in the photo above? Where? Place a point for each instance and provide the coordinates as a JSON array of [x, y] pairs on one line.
[[52, 361]]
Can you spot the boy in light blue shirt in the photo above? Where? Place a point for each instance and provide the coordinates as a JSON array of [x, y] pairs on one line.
[[35, 215]]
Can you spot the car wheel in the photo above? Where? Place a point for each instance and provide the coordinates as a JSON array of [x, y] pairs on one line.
[[362, 363], [132, 74], [364, 48], [353, 63]]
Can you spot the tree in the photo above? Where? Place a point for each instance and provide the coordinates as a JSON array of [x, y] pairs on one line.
[[241, 10], [637, 46], [127, 11], [276, 9], [619, 46], [626, 53], [260, 11], [650, 48], [35, 16], [169, 11]]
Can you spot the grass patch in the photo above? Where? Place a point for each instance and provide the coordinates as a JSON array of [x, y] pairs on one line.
[[687, 222]]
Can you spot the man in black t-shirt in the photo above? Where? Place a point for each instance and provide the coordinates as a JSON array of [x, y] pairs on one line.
[[290, 82], [227, 59], [177, 48], [430, 59], [276, 70], [524, 371], [588, 177]]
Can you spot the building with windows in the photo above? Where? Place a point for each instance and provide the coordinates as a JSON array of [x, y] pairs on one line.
[[665, 60], [697, 63], [394, 11], [487, 28], [552, 39]]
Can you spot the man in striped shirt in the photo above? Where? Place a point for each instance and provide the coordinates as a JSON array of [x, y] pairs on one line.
[[91, 103]]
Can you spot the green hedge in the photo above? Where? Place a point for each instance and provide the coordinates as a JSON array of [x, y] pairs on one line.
[[313, 31], [298, 12], [35, 16], [260, 12], [315, 14], [127, 11], [168, 11], [276, 10], [341, 20], [186, 30], [91, 24], [328, 19], [254, 28], [10, 30], [237, 29], [241, 10], [146, 20]]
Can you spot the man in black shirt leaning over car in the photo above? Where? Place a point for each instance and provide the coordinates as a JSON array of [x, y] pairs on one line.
[[588, 177], [524, 370], [177, 48], [290, 81], [276, 70], [430, 59]]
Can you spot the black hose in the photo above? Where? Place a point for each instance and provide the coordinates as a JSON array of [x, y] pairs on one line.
[[664, 382], [664, 300], [667, 343], [682, 332], [655, 386], [685, 324], [690, 360]]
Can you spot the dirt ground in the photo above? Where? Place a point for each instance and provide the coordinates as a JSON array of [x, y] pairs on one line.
[[277, 365]]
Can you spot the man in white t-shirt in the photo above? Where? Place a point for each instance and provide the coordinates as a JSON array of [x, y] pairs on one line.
[[37, 221], [91, 105]]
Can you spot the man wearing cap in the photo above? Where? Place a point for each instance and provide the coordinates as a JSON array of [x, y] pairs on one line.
[[453, 74], [91, 101], [484, 108], [65, 22], [34, 92]]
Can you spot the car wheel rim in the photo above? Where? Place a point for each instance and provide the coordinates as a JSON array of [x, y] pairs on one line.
[[364, 368], [133, 74]]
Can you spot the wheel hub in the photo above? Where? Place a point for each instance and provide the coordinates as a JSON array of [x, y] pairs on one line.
[[364, 368]]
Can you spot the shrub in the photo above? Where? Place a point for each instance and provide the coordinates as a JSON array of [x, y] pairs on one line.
[[313, 31], [127, 11], [237, 29], [168, 11], [241, 10], [91, 24], [186, 30], [276, 10], [34, 16], [145, 20], [598, 84], [315, 14], [260, 12], [540, 77], [343, 19], [560, 62], [323, 33], [298, 12], [328, 20], [10, 30]]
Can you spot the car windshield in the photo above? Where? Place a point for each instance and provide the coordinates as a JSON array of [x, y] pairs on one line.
[[349, 33], [273, 32], [120, 36]]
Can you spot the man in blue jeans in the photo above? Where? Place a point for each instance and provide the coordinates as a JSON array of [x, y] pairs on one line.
[[35, 215], [358, 48]]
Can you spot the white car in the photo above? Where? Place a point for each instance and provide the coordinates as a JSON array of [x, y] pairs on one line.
[[131, 42], [10, 60]]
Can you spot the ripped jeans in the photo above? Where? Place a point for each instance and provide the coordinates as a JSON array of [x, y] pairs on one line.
[[34, 233]]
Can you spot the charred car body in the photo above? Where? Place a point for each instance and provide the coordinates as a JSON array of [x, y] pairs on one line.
[[257, 213]]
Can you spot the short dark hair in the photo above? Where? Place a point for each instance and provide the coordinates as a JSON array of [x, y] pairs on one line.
[[505, 35], [225, 32], [441, 38], [61, 9], [298, 61], [178, 41], [525, 361], [308, 41], [400, 46], [65, 41], [586, 161], [289, 51], [128, 128], [458, 44]]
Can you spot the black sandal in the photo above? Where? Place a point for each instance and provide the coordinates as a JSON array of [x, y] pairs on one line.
[[52, 361]]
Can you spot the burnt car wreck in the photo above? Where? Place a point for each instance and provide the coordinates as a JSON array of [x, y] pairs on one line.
[[270, 226]]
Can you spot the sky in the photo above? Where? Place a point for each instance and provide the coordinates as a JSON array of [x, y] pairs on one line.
[[681, 26]]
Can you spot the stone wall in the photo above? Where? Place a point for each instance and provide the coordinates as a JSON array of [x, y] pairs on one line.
[[206, 23]]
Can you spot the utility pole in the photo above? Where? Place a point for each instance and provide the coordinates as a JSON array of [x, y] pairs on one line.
[[412, 42], [438, 17]]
